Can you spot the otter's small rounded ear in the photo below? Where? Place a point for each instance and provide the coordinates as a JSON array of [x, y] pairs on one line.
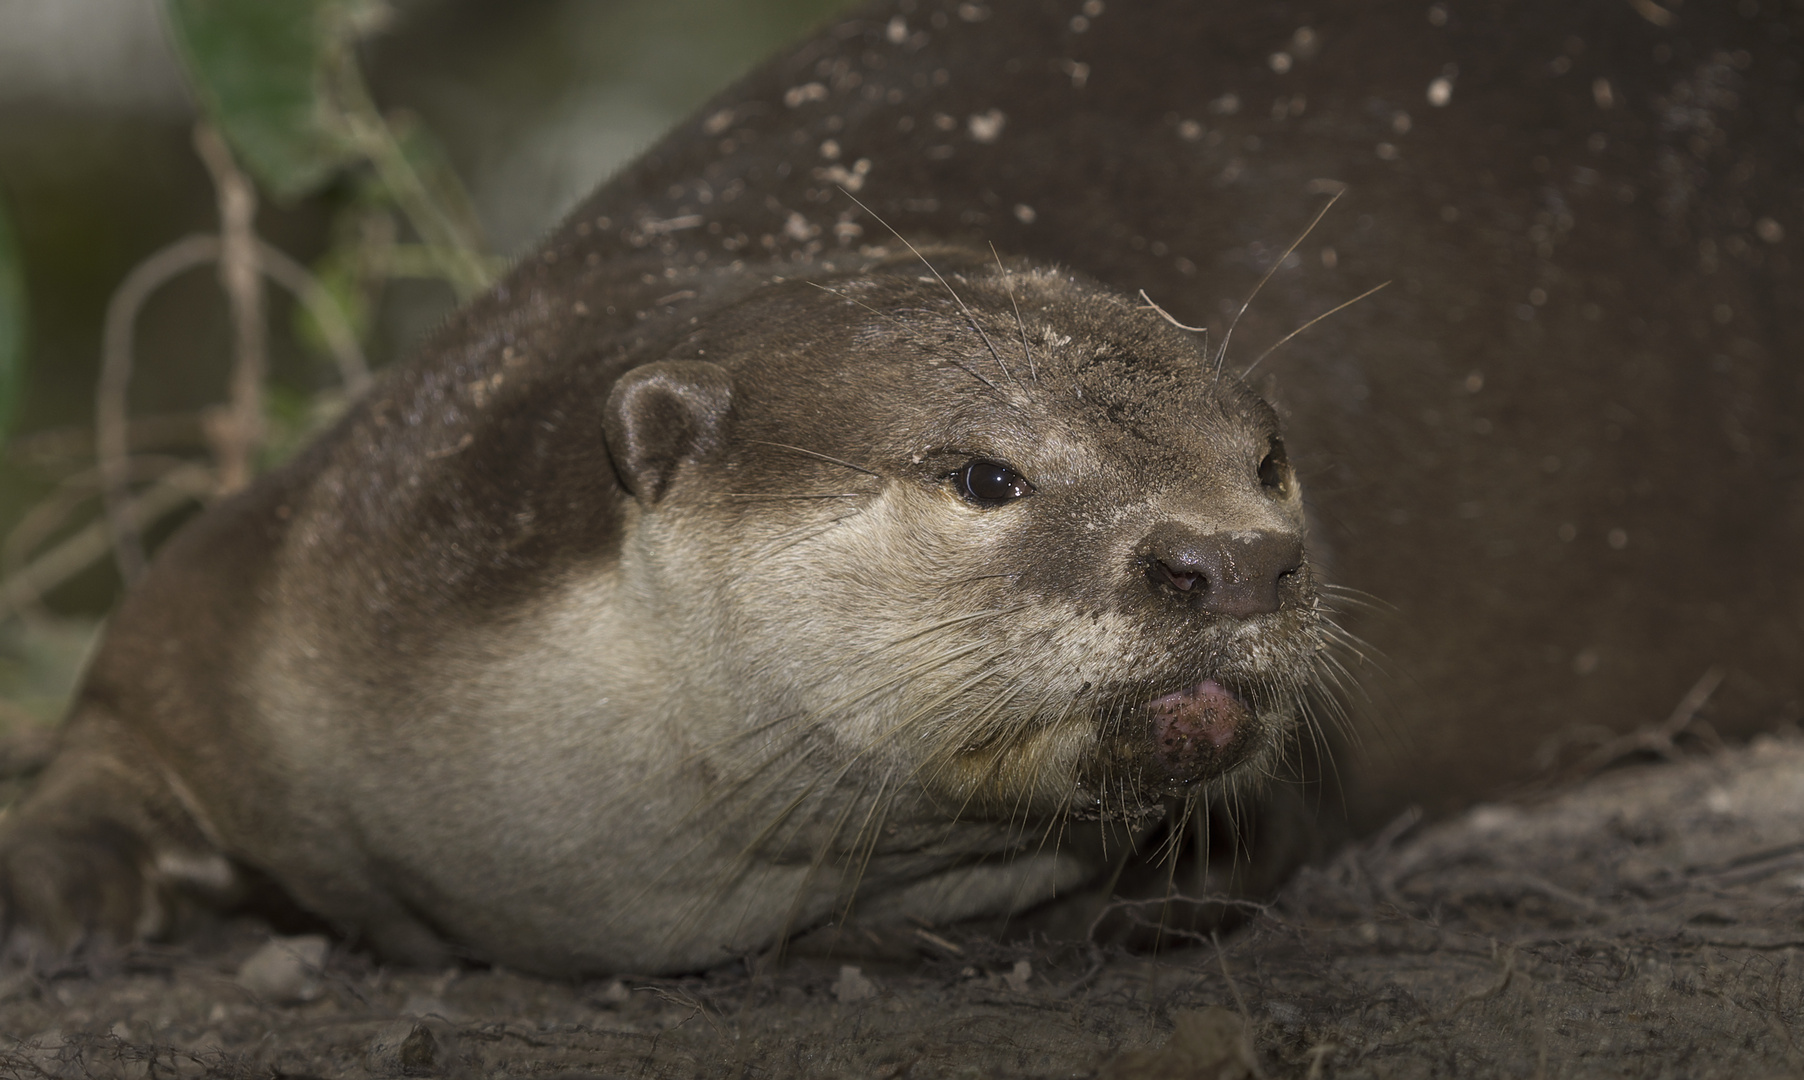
[[662, 415]]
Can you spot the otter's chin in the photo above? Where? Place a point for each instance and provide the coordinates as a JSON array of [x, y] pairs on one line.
[[1198, 733]]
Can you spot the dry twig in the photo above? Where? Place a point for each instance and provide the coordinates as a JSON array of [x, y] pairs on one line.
[[236, 437], [237, 433], [115, 376]]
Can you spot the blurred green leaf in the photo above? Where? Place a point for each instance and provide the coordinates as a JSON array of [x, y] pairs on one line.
[[12, 320], [338, 273], [259, 68], [291, 420]]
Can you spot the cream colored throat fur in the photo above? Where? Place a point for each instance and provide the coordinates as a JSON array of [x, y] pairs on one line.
[[612, 825]]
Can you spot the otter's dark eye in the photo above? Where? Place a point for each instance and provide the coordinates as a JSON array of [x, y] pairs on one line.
[[990, 483], [1274, 470]]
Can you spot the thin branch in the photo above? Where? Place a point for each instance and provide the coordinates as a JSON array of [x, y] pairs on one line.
[[239, 433], [1661, 740], [353, 369], [80, 551], [115, 376], [57, 451], [1233, 987], [424, 261], [460, 256], [49, 515], [110, 409]]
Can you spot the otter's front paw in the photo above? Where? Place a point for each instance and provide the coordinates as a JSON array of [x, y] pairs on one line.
[[71, 890]]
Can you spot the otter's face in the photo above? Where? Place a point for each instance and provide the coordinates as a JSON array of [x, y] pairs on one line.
[[1053, 563]]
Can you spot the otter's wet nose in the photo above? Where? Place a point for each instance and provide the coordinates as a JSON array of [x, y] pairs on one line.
[[1224, 573]]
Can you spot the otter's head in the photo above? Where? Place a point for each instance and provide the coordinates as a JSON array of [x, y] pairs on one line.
[[1009, 537]]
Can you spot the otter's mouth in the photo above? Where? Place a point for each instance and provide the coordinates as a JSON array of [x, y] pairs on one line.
[[1199, 732]]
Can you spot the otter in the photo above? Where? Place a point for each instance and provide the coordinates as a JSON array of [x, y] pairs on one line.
[[1561, 451], [870, 587], [1556, 462]]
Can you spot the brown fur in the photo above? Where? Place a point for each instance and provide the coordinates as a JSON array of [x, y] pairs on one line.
[[635, 664]]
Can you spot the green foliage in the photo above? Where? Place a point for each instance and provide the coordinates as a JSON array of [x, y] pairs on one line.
[[292, 418], [259, 68], [340, 272], [12, 320], [279, 79], [416, 174]]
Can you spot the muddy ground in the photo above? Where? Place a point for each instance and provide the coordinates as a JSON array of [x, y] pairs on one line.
[[1644, 924]]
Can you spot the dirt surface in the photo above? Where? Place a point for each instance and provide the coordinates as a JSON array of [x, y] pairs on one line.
[[1644, 924]]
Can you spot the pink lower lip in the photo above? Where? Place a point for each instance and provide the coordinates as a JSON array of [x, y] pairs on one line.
[[1193, 729]]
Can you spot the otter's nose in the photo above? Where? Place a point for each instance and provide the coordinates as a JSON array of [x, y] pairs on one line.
[[1224, 573]]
